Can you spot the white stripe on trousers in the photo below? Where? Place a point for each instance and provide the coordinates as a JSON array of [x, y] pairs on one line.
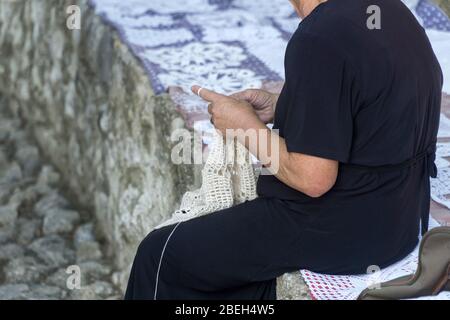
[[160, 260]]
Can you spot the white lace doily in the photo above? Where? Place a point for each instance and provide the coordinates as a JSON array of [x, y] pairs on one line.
[[228, 178]]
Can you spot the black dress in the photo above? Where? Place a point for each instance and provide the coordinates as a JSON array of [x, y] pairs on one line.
[[369, 99]]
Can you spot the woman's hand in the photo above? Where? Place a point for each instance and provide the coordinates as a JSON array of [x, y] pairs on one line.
[[262, 101], [228, 112], [308, 174]]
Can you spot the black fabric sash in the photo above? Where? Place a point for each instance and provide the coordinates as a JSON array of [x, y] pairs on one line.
[[428, 157]]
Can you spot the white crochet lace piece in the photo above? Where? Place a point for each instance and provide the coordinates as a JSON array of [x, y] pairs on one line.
[[228, 178]]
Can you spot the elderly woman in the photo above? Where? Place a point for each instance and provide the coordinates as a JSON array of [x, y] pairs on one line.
[[357, 118]]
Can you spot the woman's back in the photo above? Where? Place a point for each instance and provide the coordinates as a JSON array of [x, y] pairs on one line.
[[370, 99]]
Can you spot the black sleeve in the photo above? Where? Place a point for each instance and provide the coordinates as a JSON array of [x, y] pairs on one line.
[[318, 120]]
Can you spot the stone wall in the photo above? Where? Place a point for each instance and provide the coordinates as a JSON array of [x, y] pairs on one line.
[[91, 109]]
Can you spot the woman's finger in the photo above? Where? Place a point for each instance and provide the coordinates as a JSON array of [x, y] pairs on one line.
[[210, 108], [245, 95], [206, 94]]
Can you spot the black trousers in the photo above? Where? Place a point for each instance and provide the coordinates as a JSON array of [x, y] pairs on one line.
[[236, 253]]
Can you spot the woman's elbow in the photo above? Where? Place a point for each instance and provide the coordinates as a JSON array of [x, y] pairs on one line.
[[311, 175], [317, 187], [317, 191]]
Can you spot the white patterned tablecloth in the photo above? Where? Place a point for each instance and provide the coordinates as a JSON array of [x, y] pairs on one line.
[[226, 45]]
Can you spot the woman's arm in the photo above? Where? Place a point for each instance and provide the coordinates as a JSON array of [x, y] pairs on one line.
[[310, 175]]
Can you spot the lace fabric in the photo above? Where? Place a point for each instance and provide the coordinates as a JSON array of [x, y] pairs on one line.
[[228, 179]]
